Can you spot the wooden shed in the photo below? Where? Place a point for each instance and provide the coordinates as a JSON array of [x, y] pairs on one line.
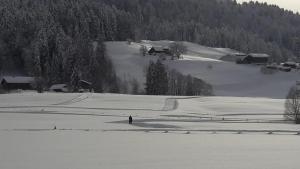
[[17, 82], [159, 50]]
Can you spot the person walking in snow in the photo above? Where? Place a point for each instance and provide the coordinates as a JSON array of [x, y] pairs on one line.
[[130, 119]]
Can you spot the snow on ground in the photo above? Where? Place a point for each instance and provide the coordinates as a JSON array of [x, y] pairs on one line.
[[227, 78], [92, 130], [168, 132]]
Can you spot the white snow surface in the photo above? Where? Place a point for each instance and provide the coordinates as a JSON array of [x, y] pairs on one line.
[[241, 127], [92, 132], [227, 78]]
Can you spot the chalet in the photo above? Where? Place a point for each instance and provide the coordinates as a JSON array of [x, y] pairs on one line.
[[159, 50], [254, 58], [17, 82]]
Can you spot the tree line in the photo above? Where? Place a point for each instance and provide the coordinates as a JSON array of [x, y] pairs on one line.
[[61, 41], [58, 41], [162, 81], [247, 27]]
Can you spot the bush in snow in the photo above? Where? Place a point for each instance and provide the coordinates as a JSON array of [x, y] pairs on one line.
[[292, 105]]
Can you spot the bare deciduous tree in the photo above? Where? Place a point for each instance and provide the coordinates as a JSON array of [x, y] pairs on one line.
[[143, 50], [135, 87], [292, 105], [177, 49]]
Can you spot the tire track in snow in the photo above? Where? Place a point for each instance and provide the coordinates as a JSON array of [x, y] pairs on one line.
[[214, 131], [170, 104], [58, 113], [182, 131], [82, 108], [77, 99]]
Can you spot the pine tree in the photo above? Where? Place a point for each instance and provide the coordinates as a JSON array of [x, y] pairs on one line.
[[156, 79], [161, 78], [37, 71], [150, 76], [75, 78]]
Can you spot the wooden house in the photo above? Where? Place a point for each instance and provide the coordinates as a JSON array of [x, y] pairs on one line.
[[254, 58], [17, 82], [159, 50]]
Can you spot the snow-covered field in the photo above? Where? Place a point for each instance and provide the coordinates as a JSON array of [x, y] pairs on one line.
[[241, 127], [227, 78], [183, 132]]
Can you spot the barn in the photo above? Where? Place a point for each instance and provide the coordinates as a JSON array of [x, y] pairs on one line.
[[254, 58], [17, 82], [159, 50]]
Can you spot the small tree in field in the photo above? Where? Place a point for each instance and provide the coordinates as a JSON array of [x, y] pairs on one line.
[[37, 71], [177, 49], [292, 105], [143, 50]]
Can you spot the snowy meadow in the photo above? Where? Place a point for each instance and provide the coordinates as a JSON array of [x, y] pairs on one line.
[[92, 131]]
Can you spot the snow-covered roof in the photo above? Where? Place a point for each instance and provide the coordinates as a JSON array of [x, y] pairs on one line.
[[84, 81], [259, 55], [17, 79], [239, 54], [290, 63], [58, 86]]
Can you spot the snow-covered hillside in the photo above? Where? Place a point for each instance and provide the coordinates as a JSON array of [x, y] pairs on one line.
[[92, 131], [227, 78]]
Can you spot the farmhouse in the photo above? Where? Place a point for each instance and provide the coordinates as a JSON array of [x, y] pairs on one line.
[[17, 82], [159, 50], [254, 58]]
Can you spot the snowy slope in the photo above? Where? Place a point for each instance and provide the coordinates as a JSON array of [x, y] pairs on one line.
[[227, 78]]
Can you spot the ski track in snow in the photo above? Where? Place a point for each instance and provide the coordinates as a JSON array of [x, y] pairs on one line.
[[77, 99], [168, 130], [170, 104], [213, 131]]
